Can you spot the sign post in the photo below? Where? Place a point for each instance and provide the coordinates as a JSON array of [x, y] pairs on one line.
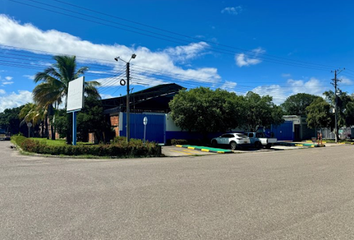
[[29, 125], [145, 121], [75, 101]]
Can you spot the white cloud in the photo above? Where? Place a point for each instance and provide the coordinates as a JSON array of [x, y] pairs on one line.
[[99, 72], [243, 60], [140, 79], [312, 86], [7, 83], [2, 91], [31, 77], [258, 51], [286, 75], [191, 51], [346, 81], [53, 42], [15, 99], [280, 93], [228, 85], [232, 10], [277, 92], [252, 58]]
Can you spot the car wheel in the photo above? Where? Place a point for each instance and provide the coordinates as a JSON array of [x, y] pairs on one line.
[[214, 143], [258, 145], [233, 146], [268, 146]]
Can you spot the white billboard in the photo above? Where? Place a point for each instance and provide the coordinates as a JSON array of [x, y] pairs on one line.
[[76, 95]]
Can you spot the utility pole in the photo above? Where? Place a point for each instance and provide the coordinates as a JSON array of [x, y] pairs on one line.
[[127, 72], [335, 84], [128, 101]]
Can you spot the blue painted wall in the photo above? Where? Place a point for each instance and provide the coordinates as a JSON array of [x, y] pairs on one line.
[[284, 131], [155, 129]]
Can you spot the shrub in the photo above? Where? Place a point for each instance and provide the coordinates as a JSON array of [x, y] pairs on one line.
[[135, 148], [119, 139], [18, 139]]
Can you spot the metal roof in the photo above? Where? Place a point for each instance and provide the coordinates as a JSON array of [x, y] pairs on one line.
[[154, 99]]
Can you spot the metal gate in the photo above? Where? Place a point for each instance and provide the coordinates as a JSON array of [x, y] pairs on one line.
[[284, 131], [155, 128]]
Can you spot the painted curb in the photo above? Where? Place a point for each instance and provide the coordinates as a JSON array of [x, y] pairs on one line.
[[217, 150]]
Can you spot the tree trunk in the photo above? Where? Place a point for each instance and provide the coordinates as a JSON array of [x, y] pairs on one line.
[[52, 131], [46, 126]]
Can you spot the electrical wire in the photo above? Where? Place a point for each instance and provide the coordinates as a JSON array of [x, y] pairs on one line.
[[265, 57]]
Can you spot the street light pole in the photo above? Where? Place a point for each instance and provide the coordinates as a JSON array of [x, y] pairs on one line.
[[128, 101], [128, 92]]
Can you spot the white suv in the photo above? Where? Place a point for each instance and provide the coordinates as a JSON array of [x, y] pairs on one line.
[[233, 140]]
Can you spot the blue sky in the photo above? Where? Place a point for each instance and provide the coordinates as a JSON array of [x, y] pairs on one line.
[[274, 47]]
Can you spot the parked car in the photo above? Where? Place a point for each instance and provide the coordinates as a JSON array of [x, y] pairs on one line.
[[259, 140], [232, 140]]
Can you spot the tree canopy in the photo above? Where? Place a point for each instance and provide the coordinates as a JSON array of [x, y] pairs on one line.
[[296, 104], [318, 114], [10, 121], [261, 112], [53, 89], [345, 107], [205, 110]]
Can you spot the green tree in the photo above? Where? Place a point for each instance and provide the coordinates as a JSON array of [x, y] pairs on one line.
[[318, 114], [349, 113], [54, 85], [345, 105], [92, 120], [204, 110], [60, 122], [297, 104], [10, 121], [30, 113], [261, 112]]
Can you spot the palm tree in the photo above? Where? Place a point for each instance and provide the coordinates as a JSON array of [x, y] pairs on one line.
[[30, 113], [55, 83]]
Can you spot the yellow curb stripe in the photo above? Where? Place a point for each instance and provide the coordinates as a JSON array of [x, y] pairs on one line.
[[191, 148], [299, 145], [205, 150], [179, 146], [220, 152]]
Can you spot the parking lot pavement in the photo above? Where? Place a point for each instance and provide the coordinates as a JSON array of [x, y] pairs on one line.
[[173, 151]]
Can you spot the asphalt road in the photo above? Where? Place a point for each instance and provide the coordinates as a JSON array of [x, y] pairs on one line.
[[297, 194]]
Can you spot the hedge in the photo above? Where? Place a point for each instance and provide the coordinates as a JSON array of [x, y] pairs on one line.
[[135, 148]]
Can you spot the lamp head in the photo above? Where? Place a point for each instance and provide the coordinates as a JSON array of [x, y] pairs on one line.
[[133, 55], [116, 59]]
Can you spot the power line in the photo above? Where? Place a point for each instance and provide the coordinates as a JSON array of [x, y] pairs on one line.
[[265, 57], [168, 31]]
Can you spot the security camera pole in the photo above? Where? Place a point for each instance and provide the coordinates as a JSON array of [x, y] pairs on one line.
[[128, 90]]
